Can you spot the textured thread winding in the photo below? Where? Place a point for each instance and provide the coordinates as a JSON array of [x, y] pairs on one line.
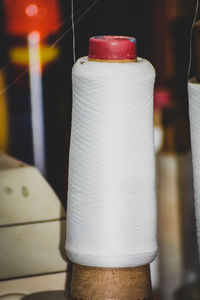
[[111, 214], [194, 114]]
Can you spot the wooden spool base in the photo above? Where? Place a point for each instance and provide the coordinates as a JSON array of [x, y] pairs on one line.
[[91, 283]]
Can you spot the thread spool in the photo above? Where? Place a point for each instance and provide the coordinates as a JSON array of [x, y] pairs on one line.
[[194, 108], [103, 277]]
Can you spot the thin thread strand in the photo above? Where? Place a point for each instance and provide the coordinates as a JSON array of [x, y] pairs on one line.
[[73, 31], [191, 32]]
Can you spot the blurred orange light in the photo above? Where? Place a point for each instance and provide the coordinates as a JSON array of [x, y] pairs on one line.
[[20, 56], [31, 10], [25, 16]]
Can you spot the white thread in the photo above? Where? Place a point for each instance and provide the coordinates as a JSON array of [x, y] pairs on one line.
[[73, 30], [191, 31], [111, 215], [194, 113]]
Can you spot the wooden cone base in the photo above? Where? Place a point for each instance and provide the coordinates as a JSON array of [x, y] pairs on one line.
[[91, 283]]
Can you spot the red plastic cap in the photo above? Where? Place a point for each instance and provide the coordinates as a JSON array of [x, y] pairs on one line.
[[112, 47]]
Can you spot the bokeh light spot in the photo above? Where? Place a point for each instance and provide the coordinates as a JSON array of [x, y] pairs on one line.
[[31, 10]]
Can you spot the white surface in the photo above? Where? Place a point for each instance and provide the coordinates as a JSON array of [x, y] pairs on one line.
[[13, 296], [34, 284], [111, 217], [31, 233], [25, 196], [194, 113], [154, 268], [32, 249]]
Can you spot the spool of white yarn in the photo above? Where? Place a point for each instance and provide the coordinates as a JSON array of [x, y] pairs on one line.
[[111, 216], [194, 113]]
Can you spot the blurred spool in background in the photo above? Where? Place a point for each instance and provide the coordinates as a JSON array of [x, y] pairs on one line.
[[175, 203], [177, 262]]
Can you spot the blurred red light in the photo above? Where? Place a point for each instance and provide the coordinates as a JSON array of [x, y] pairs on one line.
[[24, 16]]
